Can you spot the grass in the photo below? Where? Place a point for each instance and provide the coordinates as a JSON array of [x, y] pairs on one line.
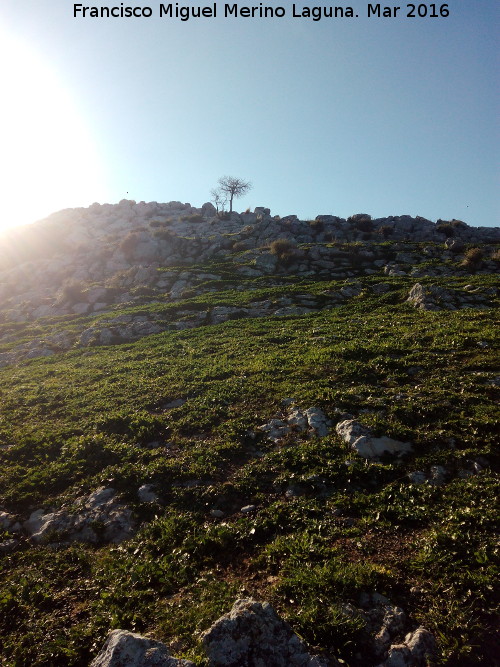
[[87, 417]]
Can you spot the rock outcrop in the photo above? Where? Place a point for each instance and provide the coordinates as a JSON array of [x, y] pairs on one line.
[[100, 518], [127, 649], [253, 635], [365, 444]]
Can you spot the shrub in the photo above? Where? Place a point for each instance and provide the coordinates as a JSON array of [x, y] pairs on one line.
[[473, 258], [283, 249], [445, 228], [458, 224]]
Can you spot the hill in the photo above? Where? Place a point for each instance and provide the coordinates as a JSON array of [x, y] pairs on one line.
[[199, 408]]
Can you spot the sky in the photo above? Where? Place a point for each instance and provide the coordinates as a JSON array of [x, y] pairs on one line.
[[386, 116]]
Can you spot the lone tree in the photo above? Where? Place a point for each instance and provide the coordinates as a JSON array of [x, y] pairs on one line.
[[233, 187]]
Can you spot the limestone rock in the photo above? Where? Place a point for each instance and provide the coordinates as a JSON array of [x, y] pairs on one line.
[[365, 444], [101, 518], [253, 635], [146, 494], [318, 422], [313, 420], [208, 210], [127, 649], [275, 429], [416, 650], [266, 262]]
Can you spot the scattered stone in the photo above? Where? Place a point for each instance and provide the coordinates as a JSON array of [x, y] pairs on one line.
[[146, 494], [101, 519], [253, 635], [127, 649], [275, 429], [217, 514], [248, 509], [365, 444], [318, 422], [313, 420], [417, 650]]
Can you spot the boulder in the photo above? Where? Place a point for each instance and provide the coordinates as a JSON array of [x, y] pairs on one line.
[[208, 210], [127, 649], [365, 444], [253, 635], [261, 210]]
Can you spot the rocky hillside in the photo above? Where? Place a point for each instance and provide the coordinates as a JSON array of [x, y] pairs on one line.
[[247, 440]]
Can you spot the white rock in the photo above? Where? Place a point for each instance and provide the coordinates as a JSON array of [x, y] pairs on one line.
[[275, 429], [127, 649], [367, 446], [100, 497], [421, 643], [34, 523], [248, 508], [318, 421]]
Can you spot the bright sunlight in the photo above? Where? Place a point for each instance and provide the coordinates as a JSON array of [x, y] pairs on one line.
[[48, 159]]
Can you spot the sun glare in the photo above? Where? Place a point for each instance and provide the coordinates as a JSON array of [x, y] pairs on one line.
[[48, 159]]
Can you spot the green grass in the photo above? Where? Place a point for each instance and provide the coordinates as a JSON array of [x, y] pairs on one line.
[[85, 418]]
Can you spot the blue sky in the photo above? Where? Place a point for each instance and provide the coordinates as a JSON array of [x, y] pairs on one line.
[[386, 116]]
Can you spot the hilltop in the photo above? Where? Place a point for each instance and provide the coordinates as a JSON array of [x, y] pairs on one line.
[[203, 412]]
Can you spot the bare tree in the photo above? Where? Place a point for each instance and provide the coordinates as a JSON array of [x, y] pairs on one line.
[[219, 199], [233, 187]]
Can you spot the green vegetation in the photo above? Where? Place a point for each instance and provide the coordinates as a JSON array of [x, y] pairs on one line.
[[98, 416]]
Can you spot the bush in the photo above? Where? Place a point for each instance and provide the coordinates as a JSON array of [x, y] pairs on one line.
[[458, 224], [473, 258], [445, 228], [284, 250]]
